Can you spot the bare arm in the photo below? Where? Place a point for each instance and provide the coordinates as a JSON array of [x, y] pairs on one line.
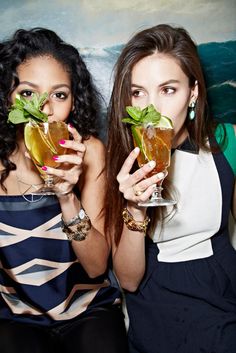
[[82, 167], [129, 255], [92, 252]]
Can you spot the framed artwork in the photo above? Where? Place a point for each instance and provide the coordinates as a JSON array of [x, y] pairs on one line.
[[99, 28]]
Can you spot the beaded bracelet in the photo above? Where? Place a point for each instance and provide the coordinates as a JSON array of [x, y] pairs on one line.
[[83, 226], [133, 225]]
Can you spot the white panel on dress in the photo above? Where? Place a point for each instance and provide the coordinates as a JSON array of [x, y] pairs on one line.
[[187, 235]]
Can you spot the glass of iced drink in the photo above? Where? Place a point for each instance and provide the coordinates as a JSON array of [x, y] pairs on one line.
[[42, 143], [155, 144]]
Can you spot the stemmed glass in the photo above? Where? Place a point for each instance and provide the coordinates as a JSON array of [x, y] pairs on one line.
[[155, 144], [42, 143]]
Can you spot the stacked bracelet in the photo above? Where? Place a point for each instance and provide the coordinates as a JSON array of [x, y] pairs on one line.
[[134, 225], [83, 226]]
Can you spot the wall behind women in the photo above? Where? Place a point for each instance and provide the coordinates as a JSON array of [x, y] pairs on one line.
[[98, 28]]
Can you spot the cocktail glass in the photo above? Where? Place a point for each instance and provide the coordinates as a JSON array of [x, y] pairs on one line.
[[42, 143], [155, 144]]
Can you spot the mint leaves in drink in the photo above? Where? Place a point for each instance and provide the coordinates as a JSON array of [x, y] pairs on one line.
[[147, 116], [24, 110]]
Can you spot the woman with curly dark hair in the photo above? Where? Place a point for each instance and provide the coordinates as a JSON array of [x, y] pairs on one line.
[[57, 294]]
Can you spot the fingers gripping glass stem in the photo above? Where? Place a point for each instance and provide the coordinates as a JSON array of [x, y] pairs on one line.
[[155, 144]]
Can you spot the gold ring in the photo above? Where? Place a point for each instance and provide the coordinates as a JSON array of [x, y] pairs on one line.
[[137, 192]]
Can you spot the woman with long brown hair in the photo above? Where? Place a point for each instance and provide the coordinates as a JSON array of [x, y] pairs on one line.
[[180, 279]]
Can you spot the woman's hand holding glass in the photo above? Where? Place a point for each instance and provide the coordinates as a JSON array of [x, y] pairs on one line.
[[67, 175], [136, 187]]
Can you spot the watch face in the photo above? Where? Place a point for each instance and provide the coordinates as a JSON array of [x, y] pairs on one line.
[[81, 213]]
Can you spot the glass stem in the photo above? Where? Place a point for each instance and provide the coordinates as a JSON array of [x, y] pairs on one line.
[[49, 181], [156, 195]]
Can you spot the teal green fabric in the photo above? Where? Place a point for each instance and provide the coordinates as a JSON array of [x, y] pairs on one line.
[[227, 143]]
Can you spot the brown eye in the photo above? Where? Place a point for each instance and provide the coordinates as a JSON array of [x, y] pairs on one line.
[[169, 90], [137, 93], [26, 93], [60, 95]]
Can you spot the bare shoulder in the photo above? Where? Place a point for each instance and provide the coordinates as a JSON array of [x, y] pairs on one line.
[[94, 147], [94, 159]]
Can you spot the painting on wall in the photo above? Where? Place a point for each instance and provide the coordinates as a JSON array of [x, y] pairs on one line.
[[99, 30]]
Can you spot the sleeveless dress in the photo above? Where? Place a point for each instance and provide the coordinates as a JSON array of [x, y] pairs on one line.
[[41, 279], [186, 302]]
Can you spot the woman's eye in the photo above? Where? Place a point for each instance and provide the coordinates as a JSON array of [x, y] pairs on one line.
[[60, 95], [169, 90], [137, 93], [26, 94]]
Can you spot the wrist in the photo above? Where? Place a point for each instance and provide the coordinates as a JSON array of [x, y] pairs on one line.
[[139, 213], [78, 227], [134, 224], [68, 198]]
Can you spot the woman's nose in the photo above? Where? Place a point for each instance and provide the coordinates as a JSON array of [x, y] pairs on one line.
[[155, 104], [47, 108], [154, 99]]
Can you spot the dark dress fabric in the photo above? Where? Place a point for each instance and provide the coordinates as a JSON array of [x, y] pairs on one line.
[[189, 306], [186, 307]]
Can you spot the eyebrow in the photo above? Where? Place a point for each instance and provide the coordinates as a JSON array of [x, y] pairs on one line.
[[160, 85], [33, 85]]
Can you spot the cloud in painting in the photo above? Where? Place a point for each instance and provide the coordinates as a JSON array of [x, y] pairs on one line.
[[103, 23]]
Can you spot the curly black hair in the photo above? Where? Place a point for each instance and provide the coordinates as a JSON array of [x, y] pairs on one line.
[[27, 44]]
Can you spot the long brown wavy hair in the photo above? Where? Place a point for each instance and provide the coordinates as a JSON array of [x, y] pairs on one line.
[[176, 43]]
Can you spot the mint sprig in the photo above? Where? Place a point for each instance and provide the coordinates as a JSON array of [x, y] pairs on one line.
[[138, 116], [24, 110]]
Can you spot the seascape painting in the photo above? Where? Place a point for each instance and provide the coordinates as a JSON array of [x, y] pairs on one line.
[[99, 29]]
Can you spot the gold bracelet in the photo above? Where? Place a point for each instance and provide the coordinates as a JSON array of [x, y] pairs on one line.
[[83, 226], [131, 224]]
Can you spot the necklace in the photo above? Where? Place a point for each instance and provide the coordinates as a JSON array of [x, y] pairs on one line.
[[29, 198]]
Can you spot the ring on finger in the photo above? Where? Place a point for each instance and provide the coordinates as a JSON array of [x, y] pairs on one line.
[[137, 192]]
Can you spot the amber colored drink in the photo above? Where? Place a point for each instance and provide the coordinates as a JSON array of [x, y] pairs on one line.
[[155, 144], [42, 142]]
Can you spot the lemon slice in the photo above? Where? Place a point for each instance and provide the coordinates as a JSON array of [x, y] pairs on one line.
[[46, 137], [32, 143], [165, 122], [28, 136]]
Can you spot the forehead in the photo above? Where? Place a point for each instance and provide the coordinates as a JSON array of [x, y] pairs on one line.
[[42, 67], [158, 66]]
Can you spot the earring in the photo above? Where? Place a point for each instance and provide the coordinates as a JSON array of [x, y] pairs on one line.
[[192, 113]]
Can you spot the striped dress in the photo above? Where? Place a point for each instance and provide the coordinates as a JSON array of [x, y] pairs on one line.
[[41, 279]]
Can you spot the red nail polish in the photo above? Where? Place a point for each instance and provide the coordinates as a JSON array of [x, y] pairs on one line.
[[62, 142], [44, 168], [55, 158], [70, 125]]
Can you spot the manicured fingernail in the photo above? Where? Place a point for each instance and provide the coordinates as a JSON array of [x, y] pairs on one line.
[[151, 164], [62, 142], [70, 125], [55, 158], [136, 150], [160, 175], [44, 168]]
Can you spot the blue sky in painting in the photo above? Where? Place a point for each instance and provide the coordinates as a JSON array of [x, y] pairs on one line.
[[101, 23], [98, 28]]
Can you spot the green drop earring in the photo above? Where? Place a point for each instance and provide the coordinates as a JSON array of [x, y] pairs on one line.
[[192, 113]]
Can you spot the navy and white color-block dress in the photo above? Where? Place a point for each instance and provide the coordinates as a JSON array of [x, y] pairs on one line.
[[41, 280], [186, 302]]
